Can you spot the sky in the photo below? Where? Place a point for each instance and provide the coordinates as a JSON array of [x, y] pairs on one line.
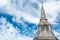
[[19, 19]]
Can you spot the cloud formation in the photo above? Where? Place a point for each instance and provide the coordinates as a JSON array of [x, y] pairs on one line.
[[29, 10]]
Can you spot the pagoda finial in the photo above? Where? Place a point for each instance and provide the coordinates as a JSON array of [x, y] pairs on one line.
[[42, 2], [43, 16]]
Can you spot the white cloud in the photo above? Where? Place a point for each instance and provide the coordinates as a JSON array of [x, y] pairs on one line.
[[3, 2], [57, 34], [2, 20], [7, 32], [25, 38]]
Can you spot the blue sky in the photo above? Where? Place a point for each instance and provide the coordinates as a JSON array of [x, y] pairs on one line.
[[19, 19]]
